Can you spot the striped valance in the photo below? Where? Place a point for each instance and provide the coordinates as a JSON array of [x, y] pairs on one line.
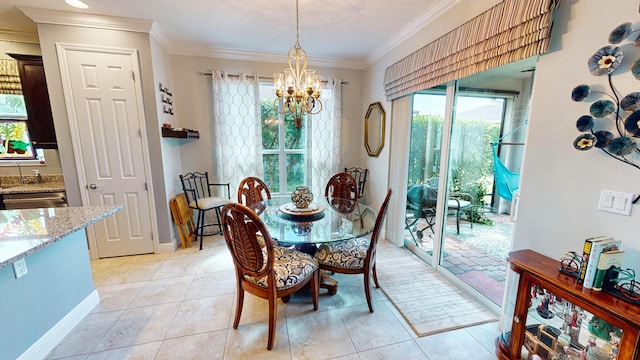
[[510, 31], [9, 77]]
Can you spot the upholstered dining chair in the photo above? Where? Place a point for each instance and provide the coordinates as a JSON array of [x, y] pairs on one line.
[[253, 190], [341, 192], [262, 268], [197, 189], [355, 256]]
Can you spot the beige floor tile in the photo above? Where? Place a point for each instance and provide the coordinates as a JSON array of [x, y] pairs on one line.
[[255, 310], [134, 272], [163, 291], [117, 297], [84, 337], [319, 335], [404, 350], [453, 345], [370, 330], [250, 342], [138, 352], [139, 326], [212, 284], [201, 315], [486, 334], [209, 346], [182, 266], [181, 306]]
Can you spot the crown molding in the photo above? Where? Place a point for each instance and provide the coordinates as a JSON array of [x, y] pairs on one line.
[[412, 28], [56, 17], [19, 36], [161, 36], [227, 54]]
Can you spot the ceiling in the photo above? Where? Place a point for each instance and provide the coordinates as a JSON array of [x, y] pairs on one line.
[[343, 33]]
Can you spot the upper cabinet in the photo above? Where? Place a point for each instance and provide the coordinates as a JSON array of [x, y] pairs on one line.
[[36, 97]]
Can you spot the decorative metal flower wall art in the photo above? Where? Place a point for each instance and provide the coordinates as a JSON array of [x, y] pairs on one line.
[[624, 111]]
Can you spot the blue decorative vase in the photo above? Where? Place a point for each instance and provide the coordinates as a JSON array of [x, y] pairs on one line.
[[302, 197]]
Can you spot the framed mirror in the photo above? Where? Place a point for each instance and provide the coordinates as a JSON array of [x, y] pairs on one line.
[[374, 123]]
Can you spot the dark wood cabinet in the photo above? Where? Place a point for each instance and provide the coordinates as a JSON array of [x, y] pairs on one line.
[[533, 332], [36, 97]]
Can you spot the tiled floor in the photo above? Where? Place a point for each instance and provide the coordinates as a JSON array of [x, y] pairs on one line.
[[181, 306]]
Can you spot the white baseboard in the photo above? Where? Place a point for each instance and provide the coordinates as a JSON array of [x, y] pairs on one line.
[[168, 248], [59, 331]]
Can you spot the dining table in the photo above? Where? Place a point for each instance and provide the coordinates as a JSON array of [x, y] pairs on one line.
[[324, 220]]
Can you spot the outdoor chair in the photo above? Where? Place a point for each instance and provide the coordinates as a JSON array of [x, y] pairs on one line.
[[421, 204]]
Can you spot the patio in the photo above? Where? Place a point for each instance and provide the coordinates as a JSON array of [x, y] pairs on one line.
[[477, 255]]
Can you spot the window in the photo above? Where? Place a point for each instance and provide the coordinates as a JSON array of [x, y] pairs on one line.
[[283, 146], [15, 141]]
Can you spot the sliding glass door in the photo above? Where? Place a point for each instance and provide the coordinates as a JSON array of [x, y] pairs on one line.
[[455, 220]]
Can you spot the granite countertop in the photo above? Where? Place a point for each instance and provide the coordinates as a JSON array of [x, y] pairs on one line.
[[54, 186], [23, 232]]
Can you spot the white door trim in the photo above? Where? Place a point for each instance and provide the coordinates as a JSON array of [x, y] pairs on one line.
[[62, 50]]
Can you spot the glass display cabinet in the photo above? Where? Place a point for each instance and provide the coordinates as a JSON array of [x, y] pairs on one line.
[[554, 318]]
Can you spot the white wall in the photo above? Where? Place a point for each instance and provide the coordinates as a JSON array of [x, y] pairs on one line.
[[193, 94], [169, 147], [560, 185]]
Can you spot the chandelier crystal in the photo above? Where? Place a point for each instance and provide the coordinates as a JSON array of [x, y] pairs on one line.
[[298, 88]]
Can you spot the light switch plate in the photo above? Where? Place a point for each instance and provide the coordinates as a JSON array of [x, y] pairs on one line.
[[615, 202]]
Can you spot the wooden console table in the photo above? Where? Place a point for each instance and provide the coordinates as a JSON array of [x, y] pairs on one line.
[[537, 269]]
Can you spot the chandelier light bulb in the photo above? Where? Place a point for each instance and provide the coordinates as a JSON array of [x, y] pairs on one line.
[[298, 88]]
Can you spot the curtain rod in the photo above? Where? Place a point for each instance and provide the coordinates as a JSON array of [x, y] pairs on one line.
[[265, 78]]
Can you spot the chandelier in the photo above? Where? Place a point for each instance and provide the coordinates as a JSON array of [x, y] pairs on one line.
[[298, 88]]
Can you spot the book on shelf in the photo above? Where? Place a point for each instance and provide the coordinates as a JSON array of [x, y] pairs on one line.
[[586, 254], [598, 247], [606, 260]]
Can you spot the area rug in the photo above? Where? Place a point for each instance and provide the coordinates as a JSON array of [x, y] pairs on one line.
[[425, 299]]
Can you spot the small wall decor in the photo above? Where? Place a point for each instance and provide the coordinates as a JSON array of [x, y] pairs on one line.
[[165, 98], [609, 106]]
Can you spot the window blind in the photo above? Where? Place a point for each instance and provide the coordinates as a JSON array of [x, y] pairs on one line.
[[9, 77], [509, 31]]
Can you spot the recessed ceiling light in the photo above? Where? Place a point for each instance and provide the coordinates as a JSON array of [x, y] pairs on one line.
[[77, 3]]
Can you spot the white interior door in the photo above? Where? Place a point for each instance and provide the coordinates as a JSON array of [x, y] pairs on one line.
[[106, 120]]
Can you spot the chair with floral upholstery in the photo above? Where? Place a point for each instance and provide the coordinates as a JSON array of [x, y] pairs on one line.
[[263, 269], [355, 256], [252, 191]]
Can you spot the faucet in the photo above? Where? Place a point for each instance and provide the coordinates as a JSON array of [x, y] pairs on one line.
[[21, 179]]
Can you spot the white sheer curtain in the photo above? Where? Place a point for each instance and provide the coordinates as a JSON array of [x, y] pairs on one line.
[[323, 143], [237, 132]]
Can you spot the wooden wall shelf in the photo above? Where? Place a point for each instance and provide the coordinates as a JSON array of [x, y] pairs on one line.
[[183, 134]]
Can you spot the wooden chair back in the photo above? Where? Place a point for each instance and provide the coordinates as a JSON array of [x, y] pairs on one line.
[[341, 192], [253, 190]]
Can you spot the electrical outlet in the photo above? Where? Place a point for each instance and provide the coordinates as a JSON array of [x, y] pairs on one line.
[[20, 268]]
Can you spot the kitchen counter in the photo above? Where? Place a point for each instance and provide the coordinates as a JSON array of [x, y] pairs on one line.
[[54, 291], [23, 232], [54, 186]]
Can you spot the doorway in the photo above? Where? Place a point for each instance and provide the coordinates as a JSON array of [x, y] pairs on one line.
[[104, 103], [455, 219]]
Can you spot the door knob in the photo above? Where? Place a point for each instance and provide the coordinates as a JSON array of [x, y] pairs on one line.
[[92, 186]]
